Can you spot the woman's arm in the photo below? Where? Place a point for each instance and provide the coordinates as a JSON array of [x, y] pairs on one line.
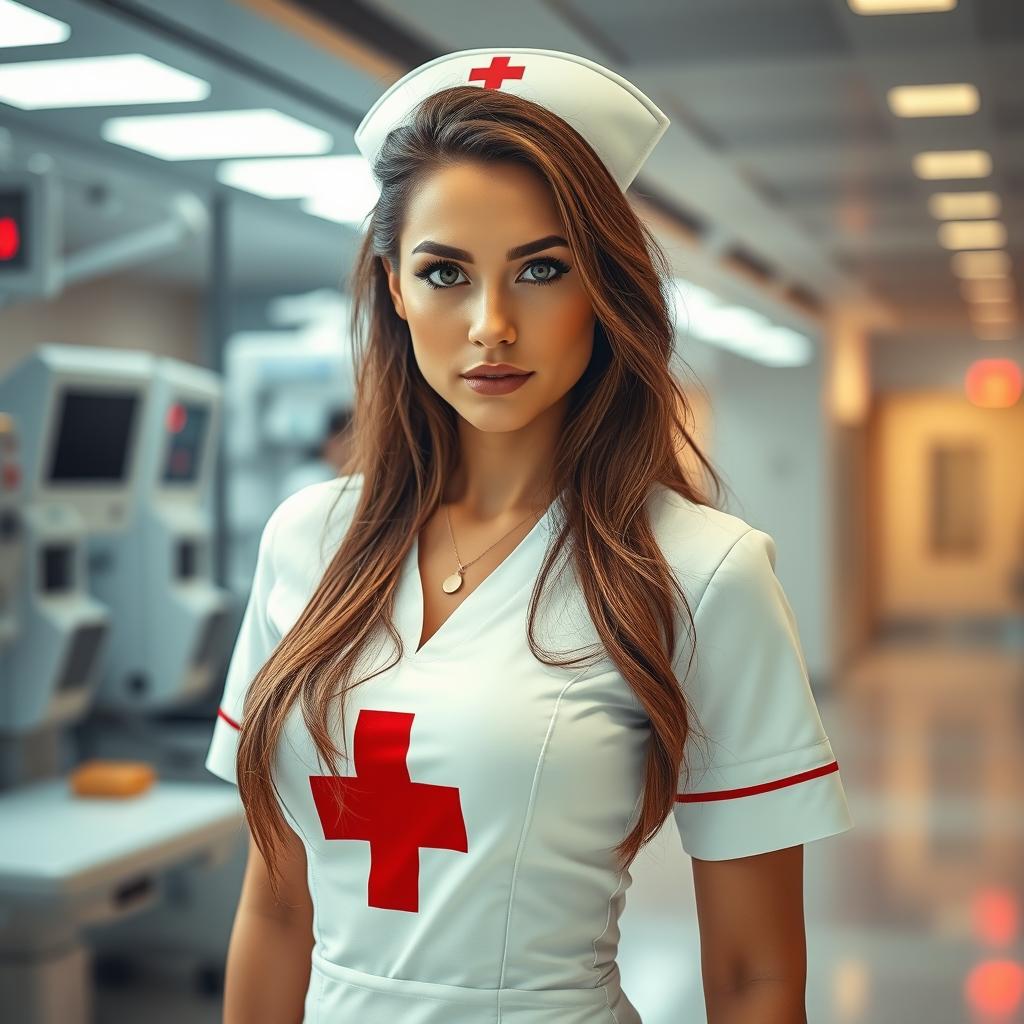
[[750, 912], [268, 962]]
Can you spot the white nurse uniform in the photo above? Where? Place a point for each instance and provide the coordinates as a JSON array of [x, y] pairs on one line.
[[472, 878]]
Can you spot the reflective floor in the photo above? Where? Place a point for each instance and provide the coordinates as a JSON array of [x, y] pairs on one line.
[[912, 915]]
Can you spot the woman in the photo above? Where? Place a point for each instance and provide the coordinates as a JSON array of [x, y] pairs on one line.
[[469, 861]]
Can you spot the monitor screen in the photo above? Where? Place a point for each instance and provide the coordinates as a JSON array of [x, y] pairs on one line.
[[93, 434], [186, 429]]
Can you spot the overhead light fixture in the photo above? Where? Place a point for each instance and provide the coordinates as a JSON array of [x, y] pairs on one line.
[[995, 331], [952, 100], [964, 205], [989, 313], [213, 134], [972, 234], [994, 263], [124, 79], [342, 209], [701, 314], [900, 6], [782, 346], [955, 163], [21, 26], [994, 289], [339, 188]]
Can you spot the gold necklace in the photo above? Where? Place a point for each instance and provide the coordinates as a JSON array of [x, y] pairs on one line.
[[454, 582]]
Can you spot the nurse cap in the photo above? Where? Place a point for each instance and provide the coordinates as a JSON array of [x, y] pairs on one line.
[[613, 115]]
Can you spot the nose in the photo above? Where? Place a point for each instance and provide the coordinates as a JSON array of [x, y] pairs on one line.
[[494, 321]]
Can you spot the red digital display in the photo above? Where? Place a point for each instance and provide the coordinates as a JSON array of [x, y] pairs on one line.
[[12, 230], [10, 238]]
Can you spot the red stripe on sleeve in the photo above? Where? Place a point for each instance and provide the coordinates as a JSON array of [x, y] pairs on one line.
[[763, 787], [222, 714]]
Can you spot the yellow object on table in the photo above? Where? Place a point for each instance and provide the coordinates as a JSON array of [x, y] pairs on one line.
[[112, 778]]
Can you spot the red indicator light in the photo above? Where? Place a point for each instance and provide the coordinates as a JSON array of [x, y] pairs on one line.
[[176, 418], [10, 238]]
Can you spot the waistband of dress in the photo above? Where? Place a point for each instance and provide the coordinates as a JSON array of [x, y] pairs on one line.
[[598, 997]]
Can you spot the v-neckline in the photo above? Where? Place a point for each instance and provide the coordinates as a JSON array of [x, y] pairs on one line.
[[480, 593]]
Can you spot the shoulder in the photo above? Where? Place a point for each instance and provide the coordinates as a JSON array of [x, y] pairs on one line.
[[703, 544], [309, 524]]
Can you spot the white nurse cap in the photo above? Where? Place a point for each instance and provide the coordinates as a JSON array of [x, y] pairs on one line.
[[613, 115]]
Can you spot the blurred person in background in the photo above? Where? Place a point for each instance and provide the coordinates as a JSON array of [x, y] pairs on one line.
[[322, 461]]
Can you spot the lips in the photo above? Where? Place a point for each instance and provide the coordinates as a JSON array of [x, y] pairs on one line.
[[497, 370]]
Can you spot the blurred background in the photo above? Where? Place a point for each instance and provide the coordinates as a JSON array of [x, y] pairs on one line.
[[841, 192]]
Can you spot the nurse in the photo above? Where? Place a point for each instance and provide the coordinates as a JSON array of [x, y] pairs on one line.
[[478, 671]]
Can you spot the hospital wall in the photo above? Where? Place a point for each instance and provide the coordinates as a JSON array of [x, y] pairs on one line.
[[113, 312], [921, 406], [915, 578], [770, 442]]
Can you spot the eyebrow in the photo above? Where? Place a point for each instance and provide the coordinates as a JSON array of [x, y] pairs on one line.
[[513, 254]]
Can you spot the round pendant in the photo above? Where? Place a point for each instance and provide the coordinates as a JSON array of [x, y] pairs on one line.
[[452, 583]]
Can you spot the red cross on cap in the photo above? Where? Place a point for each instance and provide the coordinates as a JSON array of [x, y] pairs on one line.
[[383, 807], [496, 72]]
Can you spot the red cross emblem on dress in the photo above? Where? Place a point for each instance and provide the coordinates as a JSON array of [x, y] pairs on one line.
[[496, 72], [383, 807]]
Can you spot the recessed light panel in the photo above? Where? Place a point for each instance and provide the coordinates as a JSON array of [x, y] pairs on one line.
[[995, 263], [972, 234], [964, 205], [212, 134], [994, 313], [21, 26], [953, 100], [993, 289], [123, 79], [302, 176], [901, 6], [955, 163]]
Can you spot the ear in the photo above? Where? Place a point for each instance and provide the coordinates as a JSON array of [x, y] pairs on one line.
[[393, 287]]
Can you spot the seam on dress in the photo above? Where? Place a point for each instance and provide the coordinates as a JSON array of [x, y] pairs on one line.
[[311, 869], [725, 558], [608, 917], [607, 921], [527, 821]]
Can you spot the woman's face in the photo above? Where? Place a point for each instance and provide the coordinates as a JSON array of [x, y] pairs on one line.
[[530, 311]]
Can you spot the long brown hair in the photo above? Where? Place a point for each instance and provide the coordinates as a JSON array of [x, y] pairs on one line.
[[626, 431]]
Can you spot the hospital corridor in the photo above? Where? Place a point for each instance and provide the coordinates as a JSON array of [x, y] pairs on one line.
[[327, 330]]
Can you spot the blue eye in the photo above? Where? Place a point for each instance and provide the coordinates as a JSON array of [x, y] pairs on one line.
[[561, 266]]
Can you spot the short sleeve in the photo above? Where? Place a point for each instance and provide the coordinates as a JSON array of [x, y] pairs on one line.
[[766, 778], [255, 643]]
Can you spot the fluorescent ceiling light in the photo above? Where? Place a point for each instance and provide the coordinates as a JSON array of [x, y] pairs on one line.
[[124, 79], [339, 188], [779, 346], [995, 263], [701, 314], [351, 210], [994, 289], [964, 205], [956, 163], [211, 134], [900, 6], [953, 100], [21, 26], [994, 332], [734, 323], [972, 234], [987, 313]]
